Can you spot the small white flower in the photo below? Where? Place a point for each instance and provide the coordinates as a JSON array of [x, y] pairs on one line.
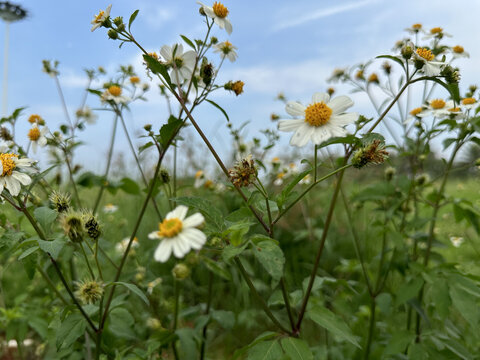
[[121, 246], [182, 64], [307, 180], [37, 137], [179, 234], [100, 18], [114, 93], [10, 178], [456, 241], [218, 12], [110, 208], [438, 108], [458, 52], [227, 50], [415, 29], [199, 179], [469, 103], [321, 120], [430, 67], [87, 114], [437, 33]]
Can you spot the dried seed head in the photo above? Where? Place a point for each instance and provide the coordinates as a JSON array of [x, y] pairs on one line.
[[244, 172], [60, 201], [89, 291], [373, 153]]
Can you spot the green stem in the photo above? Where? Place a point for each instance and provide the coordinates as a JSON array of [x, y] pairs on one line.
[[371, 328], [207, 312], [176, 287], [70, 174], [87, 262], [257, 295]]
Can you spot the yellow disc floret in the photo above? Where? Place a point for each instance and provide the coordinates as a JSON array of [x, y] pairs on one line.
[[416, 26], [436, 30], [99, 18], [115, 90], [34, 118], [416, 111], [425, 54], [169, 228], [134, 79], [469, 101], [198, 174], [458, 49], [220, 10], [437, 104], [317, 114], [34, 134], [455, 109], [8, 162]]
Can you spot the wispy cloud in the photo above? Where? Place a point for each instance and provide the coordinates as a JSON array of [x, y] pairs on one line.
[[321, 13]]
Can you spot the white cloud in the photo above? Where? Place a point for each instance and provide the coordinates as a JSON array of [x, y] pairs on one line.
[[321, 13]]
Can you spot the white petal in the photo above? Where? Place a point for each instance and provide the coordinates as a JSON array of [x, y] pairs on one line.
[[320, 135], [209, 11], [34, 147], [319, 97], [163, 251], [24, 179], [166, 52], [194, 220], [228, 26], [343, 119], [290, 125], [42, 141], [12, 185], [294, 108], [179, 247], [195, 238], [340, 104], [179, 212], [1, 167], [302, 135], [154, 235]]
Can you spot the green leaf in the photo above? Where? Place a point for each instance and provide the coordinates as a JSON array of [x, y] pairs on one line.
[[398, 342], [219, 108], [408, 290], [464, 303], [286, 191], [27, 252], [188, 41], [129, 186], [262, 337], [120, 323], [53, 247], [267, 350], [297, 349], [394, 58], [157, 67], [333, 323], [133, 288], [211, 212], [70, 330], [168, 131], [188, 345], [224, 318], [217, 269], [231, 251], [438, 293], [451, 88], [132, 18], [271, 257], [45, 217]]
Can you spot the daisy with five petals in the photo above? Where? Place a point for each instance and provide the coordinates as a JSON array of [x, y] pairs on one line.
[[179, 234], [322, 119]]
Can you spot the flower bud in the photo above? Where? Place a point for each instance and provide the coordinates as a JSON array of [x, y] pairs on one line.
[[89, 291], [112, 34], [181, 271]]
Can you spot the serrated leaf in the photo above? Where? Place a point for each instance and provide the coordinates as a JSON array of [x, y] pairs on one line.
[[262, 337], [168, 131], [271, 257], [211, 212], [53, 247], [333, 323], [129, 186], [408, 290], [219, 108], [132, 18], [217, 269], [231, 251], [266, 350], [133, 288], [45, 217], [157, 67], [70, 330], [27, 252], [297, 349]]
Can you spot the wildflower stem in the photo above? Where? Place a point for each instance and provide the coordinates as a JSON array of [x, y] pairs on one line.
[[70, 174], [62, 99], [315, 155], [86, 261], [96, 260], [341, 169], [207, 312], [259, 298], [40, 233], [107, 168], [52, 285]]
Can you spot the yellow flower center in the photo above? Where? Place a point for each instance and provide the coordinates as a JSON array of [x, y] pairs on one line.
[[237, 87], [437, 104], [280, 175], [198, 174], [317, 114], [220, 10], [153, 55], [425, 53], [436, 30], [359, 74], [115, 90], [455, 109], [8, 163], [458, 49], [373, 78], [469, 101], [99, 17], [134, 79], [34, 118], [275, 159], [170, 227], [208, 184], [416, 26], [416, 111], [34, 134]]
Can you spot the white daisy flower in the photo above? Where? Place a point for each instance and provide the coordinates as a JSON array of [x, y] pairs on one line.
[[321, 120], [307, 180], [438, 108], [199, 179], [184, 62], [415, 29], [179, 234], [87, 114], [227, 50], [114, 93], [430, 67], [100, 18], [218, 12], [469, 103], [458, 51], [37, 137], [415, 114], [456, 241], [436, 32], [110, 208], [121, 246], [10, 178]]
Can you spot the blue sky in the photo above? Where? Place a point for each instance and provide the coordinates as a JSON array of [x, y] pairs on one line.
[[282, 46]]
